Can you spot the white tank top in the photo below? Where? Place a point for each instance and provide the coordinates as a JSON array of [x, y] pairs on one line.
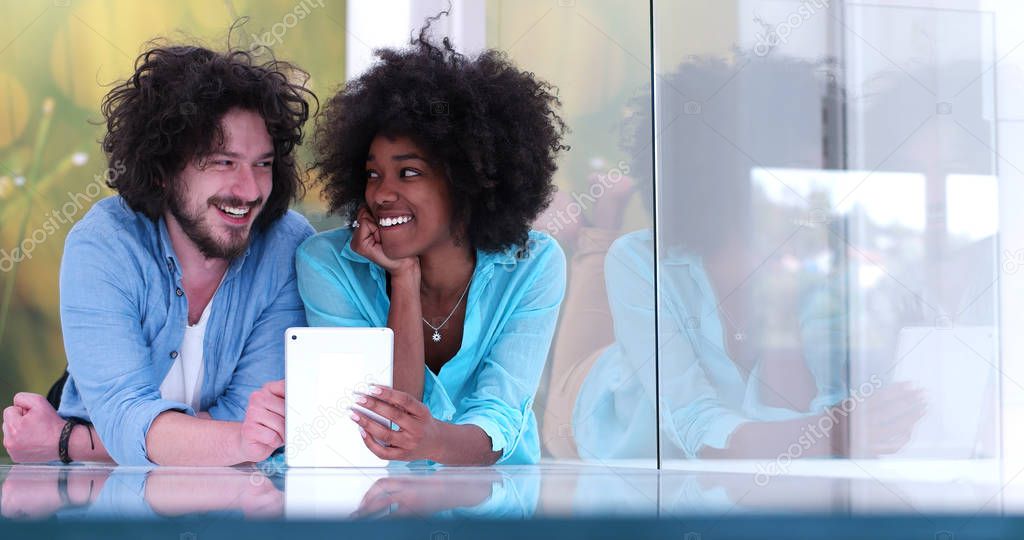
[[184, 381]]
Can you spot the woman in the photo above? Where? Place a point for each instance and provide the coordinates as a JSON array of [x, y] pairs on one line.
[[441, 163]]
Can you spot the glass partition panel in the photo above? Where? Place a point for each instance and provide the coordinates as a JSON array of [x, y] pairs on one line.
[[826, 231], [596, 402]]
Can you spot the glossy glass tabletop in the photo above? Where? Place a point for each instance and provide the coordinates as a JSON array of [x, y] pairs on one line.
[[706, 489]]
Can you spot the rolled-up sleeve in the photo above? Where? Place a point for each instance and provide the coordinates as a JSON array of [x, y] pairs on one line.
[[108, 357], [824, 336], [693, 413], [508, 375]]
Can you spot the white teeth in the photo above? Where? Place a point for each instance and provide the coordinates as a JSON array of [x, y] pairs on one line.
[[234, 210], [390, 222]]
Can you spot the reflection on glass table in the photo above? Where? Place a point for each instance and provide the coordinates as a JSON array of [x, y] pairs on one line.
[[376, 493], [552, 490], [110, 492], [30, 492]]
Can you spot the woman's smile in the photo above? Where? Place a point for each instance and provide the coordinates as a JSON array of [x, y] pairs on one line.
[[388, 223]]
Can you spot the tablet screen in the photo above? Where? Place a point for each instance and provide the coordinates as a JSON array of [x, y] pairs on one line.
[[324, 369]]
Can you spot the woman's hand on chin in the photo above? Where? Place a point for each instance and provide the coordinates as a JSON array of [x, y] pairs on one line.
[[366, 242]]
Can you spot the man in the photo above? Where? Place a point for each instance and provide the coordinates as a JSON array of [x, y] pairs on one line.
[[175, 294]]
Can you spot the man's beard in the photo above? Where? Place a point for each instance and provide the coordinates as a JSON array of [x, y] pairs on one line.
[[198, 230]]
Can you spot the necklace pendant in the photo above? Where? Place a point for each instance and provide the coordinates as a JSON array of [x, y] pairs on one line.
[[436, 337]]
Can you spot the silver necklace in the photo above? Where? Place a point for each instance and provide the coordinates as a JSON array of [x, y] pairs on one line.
[[437, 329]]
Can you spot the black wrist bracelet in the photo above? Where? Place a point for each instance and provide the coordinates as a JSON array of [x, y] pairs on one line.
[[65, 437]]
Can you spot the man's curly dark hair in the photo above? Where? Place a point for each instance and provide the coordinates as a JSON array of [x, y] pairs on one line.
[[493, 128], [168, 113]]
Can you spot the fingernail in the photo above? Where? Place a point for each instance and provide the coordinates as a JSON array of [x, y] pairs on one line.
[[362, 431], [375, 390], [354, 416], [361, 400]]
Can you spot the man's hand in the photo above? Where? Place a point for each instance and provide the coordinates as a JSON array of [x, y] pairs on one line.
[[262, 430], [31, 429], [418, 436]]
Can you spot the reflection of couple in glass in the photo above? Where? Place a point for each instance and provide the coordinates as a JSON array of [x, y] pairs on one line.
[[752, 331]]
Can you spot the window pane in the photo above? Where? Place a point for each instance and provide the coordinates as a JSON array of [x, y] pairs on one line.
[[826, 231]]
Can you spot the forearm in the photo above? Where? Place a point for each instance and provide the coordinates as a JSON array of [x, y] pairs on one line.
[[85, 445], [464, 444], [405, 318], [176, 438], [756, 440]]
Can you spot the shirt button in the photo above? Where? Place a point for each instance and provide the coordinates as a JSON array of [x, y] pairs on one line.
[[179, 292], [174, 355]]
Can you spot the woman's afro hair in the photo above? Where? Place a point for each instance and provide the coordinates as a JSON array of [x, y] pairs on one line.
[[492, 128]]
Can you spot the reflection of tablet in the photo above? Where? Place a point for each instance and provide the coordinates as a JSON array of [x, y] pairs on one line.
[[336, 494], [323, 369], [956, 367]]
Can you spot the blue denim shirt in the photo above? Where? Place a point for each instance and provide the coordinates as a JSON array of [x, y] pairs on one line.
[[123, 315], [511, 313]]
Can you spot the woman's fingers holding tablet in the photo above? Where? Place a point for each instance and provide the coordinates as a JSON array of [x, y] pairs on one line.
[[418, 428], [384, 434], [402, 400], [383, 408], [384, 452]]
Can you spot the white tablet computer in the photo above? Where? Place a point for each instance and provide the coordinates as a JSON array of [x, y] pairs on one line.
[[323, 369]]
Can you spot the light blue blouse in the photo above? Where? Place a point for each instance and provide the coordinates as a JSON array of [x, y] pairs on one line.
[[512, 309], [704, 397]]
